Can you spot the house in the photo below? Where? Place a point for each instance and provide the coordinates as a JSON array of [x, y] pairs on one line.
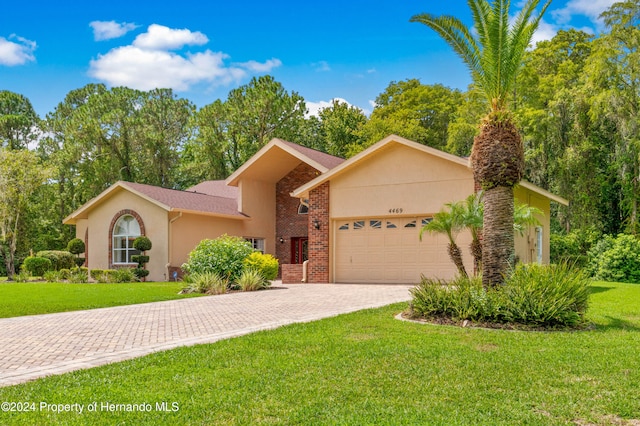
[[354, 220]]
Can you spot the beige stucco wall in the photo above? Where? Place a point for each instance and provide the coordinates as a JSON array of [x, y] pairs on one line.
[[258, 201], [187, 230], [397, 178], [155, 223]]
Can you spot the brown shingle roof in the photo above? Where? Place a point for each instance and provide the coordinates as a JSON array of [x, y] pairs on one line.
[[218, 188], [185, 200], [327, 160]]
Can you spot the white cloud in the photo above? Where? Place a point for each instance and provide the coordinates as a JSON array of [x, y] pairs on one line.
[[545, 31], [314, 108], [159, 37], [17, 52], [107, 30], [322, 66], [589, 8], [258, 67], [149, 63]]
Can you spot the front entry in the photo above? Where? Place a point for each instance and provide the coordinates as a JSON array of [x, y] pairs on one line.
[[299, 249]]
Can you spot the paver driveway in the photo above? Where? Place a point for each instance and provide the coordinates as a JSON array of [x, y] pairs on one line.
[[37, 346]]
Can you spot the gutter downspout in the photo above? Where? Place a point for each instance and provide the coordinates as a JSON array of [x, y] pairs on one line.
[[170, 248], [304, 271]]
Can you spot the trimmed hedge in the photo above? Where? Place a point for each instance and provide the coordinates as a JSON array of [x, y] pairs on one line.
[[59, 259], [266, 264], [37, 266]]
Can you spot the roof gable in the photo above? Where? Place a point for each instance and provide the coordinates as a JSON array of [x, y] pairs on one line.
[[277, 158], [166, 199], [391, 140]]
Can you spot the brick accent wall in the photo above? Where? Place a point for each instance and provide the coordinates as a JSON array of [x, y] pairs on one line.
[[290, 224], [113, 222], [291, 274], [318, 268]]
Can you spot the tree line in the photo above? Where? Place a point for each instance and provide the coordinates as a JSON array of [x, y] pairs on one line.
[[575, 100]]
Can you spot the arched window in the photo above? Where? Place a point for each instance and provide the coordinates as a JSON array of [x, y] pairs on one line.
[[125, 230]]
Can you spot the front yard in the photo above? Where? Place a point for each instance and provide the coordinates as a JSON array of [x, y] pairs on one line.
[[369, 368], [17, 299]]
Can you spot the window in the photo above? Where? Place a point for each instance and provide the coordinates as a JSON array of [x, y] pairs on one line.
[[426, 221], [125, 231], [344, 227], [358, 224], [391, 225], [257, 244], [375, 224], [303, 208], [411, 224]]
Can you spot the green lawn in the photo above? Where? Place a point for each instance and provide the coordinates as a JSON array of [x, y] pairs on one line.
[[17, 299], [369, 368]]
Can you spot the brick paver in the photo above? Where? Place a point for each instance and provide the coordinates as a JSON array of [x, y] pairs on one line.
[[42, 345]]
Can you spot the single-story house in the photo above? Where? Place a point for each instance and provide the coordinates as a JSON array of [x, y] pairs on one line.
[[355, 220]]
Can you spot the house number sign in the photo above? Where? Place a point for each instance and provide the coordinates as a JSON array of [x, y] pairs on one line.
[[396, 210]]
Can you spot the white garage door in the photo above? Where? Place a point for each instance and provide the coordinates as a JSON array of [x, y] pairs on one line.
[[388, 250]]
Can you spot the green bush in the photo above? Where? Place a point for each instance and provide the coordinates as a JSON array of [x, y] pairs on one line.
[[79, 261], [205, 282], [223, 256], [140, 259], [37, 266], [555, 295], [142, 243], [22, 276], [616, 259], [51, 276], [76, 246], [266, 264], [533, 295], [79, 276], [573, 248], [64, 273], [124, 275], [251, 280], [59, 259], [140, 273]]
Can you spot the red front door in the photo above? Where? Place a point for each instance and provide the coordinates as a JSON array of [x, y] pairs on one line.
[[299, 249]]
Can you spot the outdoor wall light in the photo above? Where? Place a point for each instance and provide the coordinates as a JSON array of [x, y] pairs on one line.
[[281, 240], [316, 224]]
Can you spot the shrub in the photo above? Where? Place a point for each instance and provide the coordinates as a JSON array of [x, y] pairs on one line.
[[79, 276], [573, 248], [251, 280], [79, 261], [51, 276], [555, 295], [76, 246], [140, 273], [64, 273], [205, 282], [103, 275], [124, 275], [534, 295], [266, 264], [616, 259], [142, 243], [21, 277], [37, 266], [222, 256], [59, 259]]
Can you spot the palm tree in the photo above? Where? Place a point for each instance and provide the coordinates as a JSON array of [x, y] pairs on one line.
[[493, 53], [449, 223], [472, 215]]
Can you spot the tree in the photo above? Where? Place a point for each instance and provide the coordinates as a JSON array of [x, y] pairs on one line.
[[472, 213], [339, 126], [228, 133], [21, 174], [449, 223], [414, 111], [494, 55], [18, 121]]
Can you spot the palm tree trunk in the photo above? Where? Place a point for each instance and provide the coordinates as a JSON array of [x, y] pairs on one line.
[[476, 251], [456, 256], [498, 240]]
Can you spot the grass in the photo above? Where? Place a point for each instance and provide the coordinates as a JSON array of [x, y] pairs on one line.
[[369, 368], [17, 299]]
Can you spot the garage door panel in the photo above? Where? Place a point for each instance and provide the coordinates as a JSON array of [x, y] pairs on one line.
[[389, 250]]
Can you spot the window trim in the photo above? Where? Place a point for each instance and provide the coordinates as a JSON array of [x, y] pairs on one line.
[[114, 220]]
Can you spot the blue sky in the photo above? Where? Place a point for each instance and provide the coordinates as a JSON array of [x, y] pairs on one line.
[[349, 49]]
